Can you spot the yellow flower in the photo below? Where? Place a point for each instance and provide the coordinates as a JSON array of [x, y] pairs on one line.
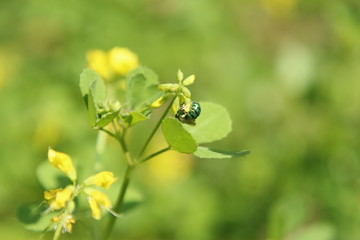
[[58, 198], [63, 162], [103, 179], [99, 61], [122, 60], [69, 221], [98, 201]]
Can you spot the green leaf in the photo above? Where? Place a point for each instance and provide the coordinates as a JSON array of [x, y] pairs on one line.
[[91, 108], [32, 215], [317, 231], [214, 123], [133, 118], [106, 119], [49, 177], [177, 137], [204, 152], [91, 79], [141, 88]]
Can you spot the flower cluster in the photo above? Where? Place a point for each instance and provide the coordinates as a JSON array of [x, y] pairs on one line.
[[117, 61], [179, 90], [62, 200]]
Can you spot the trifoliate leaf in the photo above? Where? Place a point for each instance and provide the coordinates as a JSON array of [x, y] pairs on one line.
[[90, 78], [204, 152], [141, 88], [177, 137], [214, 123]]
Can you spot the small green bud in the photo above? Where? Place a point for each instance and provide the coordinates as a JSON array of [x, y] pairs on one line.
[[180, 75], [71, 206], [174, 87], [186, 92], [181, 98], [189, 80], [165, 87], [115, 106]]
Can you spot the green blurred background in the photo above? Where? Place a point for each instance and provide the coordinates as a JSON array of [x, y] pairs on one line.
[[287, 71]]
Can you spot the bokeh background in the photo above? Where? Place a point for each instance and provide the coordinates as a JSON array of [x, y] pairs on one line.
[[287, 71]]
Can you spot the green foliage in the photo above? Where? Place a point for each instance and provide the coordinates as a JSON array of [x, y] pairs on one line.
[[213, 124], [50, 177], [177, 137], [133, 118], [106, 119], [141, 88], [91, 108], [204, 152], [292, 94], [317, 231], [91, 79], [33, 217]]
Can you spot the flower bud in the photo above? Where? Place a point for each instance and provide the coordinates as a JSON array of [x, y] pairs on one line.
[[174, 87], [188, 104], [186, 92], [175, 107], [180, 75], [189, 80], [165, 87], [160, 101], [71, 206]]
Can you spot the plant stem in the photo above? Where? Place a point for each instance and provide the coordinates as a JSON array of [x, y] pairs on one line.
[[154, 154], [119, 203], [130, 166], [99, 149], [155, 129], [58, 232]]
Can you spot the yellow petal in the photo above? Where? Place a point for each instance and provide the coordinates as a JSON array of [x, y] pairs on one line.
[[122, 60], [48, 195], [103, 179], [98, 60], [63, 162], [95, 209], [61, 198], [98, 201], [69, 223], [160, 101], [101, 198]]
